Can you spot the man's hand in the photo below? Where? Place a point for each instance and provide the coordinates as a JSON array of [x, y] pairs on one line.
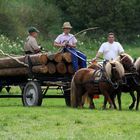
[[93, 60]]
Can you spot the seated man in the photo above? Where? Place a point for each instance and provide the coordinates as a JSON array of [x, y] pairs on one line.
[[110, 49], [31, 46], [68, 42]]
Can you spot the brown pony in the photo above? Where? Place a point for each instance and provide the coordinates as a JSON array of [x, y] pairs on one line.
[[129, 80], [90, 82], [137, 66]]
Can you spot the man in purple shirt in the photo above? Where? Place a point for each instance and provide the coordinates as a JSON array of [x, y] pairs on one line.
[[68, 42]]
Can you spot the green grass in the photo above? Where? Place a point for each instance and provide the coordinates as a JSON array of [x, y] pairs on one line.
[[54, 121]]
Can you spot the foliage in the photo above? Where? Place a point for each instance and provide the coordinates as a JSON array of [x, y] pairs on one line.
[[17, 16], [55, 121], [119, 16], [12, 47]]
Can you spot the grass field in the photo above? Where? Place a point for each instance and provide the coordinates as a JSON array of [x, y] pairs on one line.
[[55, 121]]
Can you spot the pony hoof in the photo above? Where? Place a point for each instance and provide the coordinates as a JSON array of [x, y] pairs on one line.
[[91, 107], [137, 109], [111, 107], [104, 108]]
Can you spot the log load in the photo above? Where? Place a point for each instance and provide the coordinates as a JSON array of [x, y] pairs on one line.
[[45, 63], [37, 59]]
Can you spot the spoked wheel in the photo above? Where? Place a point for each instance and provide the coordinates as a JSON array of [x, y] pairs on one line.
[[32, 94], [66, 91]]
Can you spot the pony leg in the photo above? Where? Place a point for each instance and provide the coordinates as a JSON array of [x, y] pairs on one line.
[[119, 100], [113, 100], [91, 104], [138, 99], [107, 97], [105, 103], [134, 100], [80, 103]]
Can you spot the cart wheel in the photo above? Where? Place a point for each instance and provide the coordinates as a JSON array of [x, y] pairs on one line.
[[32, 94], [67, 96]]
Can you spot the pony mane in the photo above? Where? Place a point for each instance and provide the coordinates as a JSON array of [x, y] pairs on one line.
[[94, 66], [119, 67], [124, 55], [137, 64], [108, 68]]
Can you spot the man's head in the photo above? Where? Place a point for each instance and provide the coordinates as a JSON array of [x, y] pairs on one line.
[[67, 27], [111, 37], [33, 31]]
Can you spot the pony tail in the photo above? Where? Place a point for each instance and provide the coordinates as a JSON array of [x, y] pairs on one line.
[[85, 99], [73, 94]]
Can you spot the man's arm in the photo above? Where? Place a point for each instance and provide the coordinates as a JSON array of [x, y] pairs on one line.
[[121, 50], [98, 55], [58, 45], [72, 45], [35, 46]]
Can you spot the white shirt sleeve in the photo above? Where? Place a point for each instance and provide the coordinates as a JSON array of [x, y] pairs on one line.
[[121, 50], [57, 40], [74, 41], [101, 49]]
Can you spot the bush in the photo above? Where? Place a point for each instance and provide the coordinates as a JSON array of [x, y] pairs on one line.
[[11, 47]]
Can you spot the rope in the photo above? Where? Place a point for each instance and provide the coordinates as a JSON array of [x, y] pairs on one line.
[[22, 63]]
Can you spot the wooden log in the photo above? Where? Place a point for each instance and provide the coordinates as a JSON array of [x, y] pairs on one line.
[[61, 68], [43, 59], [51, 56], [23, 71], [51, 68], [70, 69], [36, 59], [58, 57], [67, 57], [40, 69], [14, 72]]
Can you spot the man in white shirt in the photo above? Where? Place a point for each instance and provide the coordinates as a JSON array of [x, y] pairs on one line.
[[68, 42], [111, 49]]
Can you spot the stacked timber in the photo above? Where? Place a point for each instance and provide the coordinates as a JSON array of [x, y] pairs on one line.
[[44, 63]]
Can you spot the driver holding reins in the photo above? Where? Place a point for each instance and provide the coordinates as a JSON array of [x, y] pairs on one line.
[[68, 42], [110, 49]]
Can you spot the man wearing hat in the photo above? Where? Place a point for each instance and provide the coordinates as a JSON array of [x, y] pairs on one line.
[[68, 42], [31, 46]]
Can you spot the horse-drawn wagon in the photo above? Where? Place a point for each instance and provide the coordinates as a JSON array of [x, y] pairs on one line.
[[35, 74]]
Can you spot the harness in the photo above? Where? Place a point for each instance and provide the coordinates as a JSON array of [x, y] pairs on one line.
[[100, 76]]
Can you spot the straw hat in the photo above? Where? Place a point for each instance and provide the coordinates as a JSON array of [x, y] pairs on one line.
[[67, 25]]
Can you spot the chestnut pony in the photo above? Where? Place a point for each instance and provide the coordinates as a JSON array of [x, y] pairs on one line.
[[93, 81], [130, 81]]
